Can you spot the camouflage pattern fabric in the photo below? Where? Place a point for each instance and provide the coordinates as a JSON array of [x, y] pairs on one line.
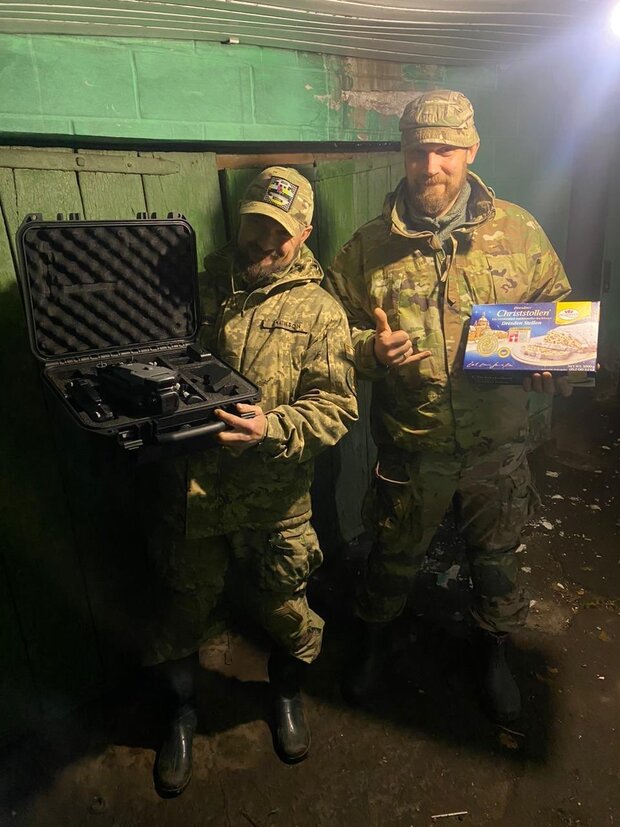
[[290, 338], [438, 117], [493, 498], [268, 571], [433, 409], [283, 194], [500, 254], [216, 508]]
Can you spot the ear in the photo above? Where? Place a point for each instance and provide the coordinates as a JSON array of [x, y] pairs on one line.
[[472, 151], [305, 233]]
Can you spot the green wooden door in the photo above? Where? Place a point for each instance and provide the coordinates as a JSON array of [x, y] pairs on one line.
[[350, 193], [70, 554]]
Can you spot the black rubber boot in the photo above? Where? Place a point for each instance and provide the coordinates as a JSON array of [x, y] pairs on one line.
[[291, 731], [366, 673], [173, 765], [499, 689]]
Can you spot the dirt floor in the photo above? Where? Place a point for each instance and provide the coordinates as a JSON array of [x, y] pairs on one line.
[[423, 751]]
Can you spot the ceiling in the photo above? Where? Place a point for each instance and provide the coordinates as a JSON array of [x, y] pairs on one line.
[[460, 32]]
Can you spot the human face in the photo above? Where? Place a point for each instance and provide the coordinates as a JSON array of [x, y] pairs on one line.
[[435, 175], [264, 247]]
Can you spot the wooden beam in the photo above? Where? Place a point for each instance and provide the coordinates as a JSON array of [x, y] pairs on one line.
[[86, 162]]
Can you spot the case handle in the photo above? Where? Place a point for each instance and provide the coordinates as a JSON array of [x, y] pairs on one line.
[[189, 433]]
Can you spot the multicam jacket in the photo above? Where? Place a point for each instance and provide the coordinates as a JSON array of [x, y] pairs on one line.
[[500, 255], [290, 338]]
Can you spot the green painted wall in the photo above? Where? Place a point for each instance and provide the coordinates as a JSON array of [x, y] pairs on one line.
[[178, 90], [528, 113]]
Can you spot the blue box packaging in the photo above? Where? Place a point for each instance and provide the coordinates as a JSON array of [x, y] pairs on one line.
[[526, 338]]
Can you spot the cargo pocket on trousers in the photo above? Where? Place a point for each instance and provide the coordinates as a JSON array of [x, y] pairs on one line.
[[286, 564], [520, 504], [388, 507]]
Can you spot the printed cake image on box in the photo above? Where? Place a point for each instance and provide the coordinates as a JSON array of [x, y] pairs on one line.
[[554, 336]]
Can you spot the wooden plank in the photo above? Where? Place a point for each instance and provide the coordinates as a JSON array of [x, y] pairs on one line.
[[349, 193], [371, 187], [107, 195], [49, 193], [195, 192], [335, 216], [86, 161], [41, 560], [290, 159], [344, 195], [234, 183], [397, 171], [18, 696], [7, 237]]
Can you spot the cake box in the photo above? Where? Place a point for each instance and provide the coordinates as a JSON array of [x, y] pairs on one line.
[[520, 339]]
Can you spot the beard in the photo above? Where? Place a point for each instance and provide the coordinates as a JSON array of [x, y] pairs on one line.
[[254, 270], [432, 197]]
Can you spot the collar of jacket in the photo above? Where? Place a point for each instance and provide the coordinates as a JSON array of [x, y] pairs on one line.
[[481, 207], [303, 269]]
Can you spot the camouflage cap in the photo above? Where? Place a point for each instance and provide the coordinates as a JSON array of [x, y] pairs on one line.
[[438, 117], [281, 193]]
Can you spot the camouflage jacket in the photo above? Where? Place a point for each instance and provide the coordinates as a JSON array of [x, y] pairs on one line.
[[500, 255], [291, 339]]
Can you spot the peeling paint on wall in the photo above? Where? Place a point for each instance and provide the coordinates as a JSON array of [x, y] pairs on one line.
[[384, 103], [380, 88]]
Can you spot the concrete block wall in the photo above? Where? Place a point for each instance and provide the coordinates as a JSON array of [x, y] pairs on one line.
[[129, 88], [198, 91]]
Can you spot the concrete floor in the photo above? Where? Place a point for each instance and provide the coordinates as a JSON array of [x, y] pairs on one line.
[[423, 748]]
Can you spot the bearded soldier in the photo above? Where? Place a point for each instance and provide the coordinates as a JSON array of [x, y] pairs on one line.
[[407, 281], [244, 508]]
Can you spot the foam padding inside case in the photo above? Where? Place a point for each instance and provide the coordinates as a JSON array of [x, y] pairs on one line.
[[101, 287]]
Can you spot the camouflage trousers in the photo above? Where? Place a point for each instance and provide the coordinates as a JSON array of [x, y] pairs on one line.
[[492, 496], [264, 571]]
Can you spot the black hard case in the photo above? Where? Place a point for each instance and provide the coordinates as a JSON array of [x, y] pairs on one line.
[[105, 292]]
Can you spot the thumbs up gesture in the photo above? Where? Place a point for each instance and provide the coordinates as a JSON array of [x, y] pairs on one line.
[[394, 348]]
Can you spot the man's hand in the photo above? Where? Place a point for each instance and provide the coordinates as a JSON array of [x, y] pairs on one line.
[[394, 348], [245, 432], [547, 383]]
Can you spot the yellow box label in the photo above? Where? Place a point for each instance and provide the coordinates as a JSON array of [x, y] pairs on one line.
[[571, 312]]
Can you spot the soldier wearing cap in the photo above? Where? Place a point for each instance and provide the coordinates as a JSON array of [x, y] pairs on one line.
[[407, 281], [243, 509]]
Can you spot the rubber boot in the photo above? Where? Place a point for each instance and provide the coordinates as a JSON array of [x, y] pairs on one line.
[[291, 731], [365, 676], [173, 765], [499, 689]]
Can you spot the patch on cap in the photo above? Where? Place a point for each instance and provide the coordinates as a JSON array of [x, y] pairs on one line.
[[281, 193]]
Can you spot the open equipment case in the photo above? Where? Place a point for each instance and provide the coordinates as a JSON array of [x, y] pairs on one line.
[[113, 313]]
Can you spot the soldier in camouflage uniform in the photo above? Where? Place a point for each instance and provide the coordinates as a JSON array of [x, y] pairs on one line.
[[245, 506], [408, 280]]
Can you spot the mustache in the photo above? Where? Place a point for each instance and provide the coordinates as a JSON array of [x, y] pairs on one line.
[[254, 252], [432, 180]]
